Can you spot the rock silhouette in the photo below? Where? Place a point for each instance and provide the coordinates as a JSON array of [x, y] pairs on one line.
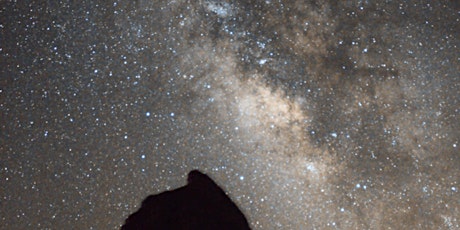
[[201, 204]]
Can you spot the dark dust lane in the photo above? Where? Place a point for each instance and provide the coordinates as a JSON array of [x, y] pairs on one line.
[[318, 115]]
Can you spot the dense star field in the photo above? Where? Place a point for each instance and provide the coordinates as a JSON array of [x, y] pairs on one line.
[[309, 114]]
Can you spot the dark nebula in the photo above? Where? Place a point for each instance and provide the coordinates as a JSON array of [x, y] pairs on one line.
[[308, 114]]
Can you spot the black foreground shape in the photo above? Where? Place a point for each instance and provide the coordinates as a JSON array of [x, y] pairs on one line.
[[201, 204]]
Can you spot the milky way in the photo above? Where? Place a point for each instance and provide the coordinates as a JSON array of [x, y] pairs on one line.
[[318, 115]]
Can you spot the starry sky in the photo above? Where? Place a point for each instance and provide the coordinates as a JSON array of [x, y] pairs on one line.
[[309, 114]]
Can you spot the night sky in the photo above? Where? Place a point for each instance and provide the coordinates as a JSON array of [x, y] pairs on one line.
[[309, 114]]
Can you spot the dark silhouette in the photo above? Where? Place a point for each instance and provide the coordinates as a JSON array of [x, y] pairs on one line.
[[201, 204]]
